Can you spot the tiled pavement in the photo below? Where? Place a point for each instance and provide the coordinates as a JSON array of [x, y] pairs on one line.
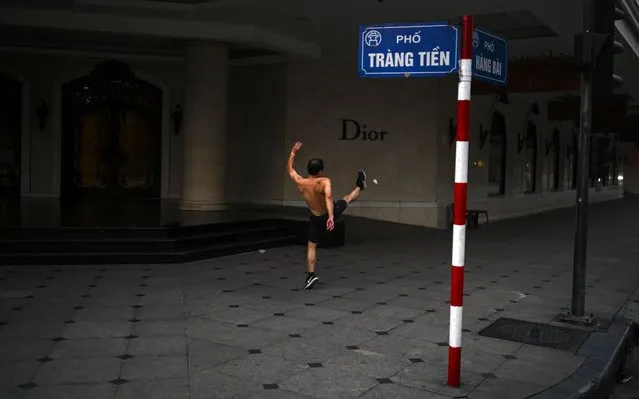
[[376, 326]]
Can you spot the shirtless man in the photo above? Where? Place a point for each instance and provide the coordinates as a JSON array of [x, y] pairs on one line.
[[318, 194]]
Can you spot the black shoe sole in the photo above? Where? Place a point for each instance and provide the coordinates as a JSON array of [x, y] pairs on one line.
[[361, 183]]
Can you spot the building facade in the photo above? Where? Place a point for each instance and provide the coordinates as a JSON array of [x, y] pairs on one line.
[[208, 127]]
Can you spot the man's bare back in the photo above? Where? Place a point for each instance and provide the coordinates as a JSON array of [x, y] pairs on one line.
[[313, 191]]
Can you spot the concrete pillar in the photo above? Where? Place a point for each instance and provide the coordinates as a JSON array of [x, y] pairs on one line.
[[205, 128]]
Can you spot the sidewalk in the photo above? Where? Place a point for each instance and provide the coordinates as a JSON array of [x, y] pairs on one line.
[[376, 326], [629, 389]]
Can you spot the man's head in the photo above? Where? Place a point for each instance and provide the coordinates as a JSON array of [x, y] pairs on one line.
[[315, 167]]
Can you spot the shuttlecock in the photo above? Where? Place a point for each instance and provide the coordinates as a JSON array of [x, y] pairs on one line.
[[375, 181]]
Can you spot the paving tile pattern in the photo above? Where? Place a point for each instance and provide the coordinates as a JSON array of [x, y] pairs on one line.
[[375, 327]]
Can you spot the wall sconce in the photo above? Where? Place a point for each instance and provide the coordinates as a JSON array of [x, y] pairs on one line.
[[479, 164], [521, 141], [42, 112], [178, 118], [452, 132], [483, 135]]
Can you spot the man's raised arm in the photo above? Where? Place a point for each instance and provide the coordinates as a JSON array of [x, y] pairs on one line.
[[291, 159]]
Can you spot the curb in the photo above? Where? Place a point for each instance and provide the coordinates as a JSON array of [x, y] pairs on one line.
[[605, 354]]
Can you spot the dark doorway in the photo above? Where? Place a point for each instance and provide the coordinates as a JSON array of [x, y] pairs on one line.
[[497, 156], [111, 135], [10, 136]]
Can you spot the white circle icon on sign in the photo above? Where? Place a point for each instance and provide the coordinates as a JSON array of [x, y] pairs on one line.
[[475, 39], [373, 38]]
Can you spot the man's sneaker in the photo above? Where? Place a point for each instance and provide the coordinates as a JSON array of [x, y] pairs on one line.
[[310, 280], [361, 179]]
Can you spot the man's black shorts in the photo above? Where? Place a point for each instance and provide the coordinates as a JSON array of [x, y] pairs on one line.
[[317, 226]]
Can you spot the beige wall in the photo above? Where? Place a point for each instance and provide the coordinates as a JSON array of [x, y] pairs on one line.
[[45, 74], [321, 94], [271, 107]]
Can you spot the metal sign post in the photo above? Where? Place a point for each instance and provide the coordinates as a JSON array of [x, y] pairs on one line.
[[460, 199], [432, 50], [588, 45]]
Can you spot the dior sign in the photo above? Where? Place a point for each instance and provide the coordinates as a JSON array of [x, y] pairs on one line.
[[353, 130]]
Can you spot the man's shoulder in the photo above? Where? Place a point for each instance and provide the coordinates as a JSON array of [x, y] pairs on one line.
[[315, 179], [324, 181]]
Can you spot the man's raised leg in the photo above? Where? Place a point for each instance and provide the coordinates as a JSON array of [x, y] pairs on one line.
[[353, 195]]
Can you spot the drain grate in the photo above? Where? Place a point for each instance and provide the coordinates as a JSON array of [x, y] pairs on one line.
[[545, 335]]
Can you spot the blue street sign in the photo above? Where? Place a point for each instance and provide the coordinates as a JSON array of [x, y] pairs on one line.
[[402, 50], [490, 57]]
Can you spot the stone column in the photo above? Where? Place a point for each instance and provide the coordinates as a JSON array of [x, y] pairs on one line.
[[205, 128]]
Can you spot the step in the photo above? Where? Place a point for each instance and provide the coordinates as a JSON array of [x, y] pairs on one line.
[[182, 231], [55, 245], [166, 231], [62, 233], [206, 252], [251, 234]]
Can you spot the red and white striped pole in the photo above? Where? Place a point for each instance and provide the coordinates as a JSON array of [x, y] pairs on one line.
[[460, 199]]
